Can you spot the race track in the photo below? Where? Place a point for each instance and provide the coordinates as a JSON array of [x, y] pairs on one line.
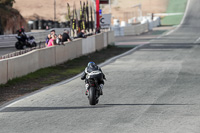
[[152, 90]]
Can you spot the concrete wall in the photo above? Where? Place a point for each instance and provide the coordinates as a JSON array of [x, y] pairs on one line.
[[88, 45], [46, 57], [110, 37], [62, 54], [21, 65], [135, 29], [138, 29], [105, 42], [99, 41], [3, 71]]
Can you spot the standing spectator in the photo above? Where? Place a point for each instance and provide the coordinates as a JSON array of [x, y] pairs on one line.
[[47, 39], [81, 34], [65, 36]]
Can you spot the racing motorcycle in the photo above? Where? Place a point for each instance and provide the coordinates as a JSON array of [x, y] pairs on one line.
[[24, 41], [94, 89]]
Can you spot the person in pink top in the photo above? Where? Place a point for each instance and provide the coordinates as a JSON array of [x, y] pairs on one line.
[[52, 41]]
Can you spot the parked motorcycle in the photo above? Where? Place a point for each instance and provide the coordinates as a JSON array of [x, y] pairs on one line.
[[24, 42], [94, 88]]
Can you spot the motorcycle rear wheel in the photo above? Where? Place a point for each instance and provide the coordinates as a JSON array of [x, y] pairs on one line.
[[17, 45], [92, 96], [34, 44]]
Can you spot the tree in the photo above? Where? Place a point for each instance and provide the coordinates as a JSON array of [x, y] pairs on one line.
[[7, 2]]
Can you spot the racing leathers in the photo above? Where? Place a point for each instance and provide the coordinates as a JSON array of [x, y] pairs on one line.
[[87, 71]]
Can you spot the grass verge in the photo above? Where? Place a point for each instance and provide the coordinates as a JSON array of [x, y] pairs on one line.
[[174, 6]]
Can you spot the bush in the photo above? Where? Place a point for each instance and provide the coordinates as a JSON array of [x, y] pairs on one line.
[[7, 2]]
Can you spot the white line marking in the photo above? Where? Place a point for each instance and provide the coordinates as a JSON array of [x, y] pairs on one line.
[[197, 40]]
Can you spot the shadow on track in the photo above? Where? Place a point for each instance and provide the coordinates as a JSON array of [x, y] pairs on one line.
[[159, 104], [168, 46], [27, 109]]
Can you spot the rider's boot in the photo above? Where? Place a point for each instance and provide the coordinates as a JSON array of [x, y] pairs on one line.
[[101, 89], [86, 87]]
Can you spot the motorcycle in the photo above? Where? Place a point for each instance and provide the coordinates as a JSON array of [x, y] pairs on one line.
[[24, 42], [94, 88]]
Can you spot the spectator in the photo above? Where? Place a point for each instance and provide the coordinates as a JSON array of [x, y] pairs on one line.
[[52, 41], [81, 34], [59, 39], [65, 36], [53, 32], [47, 27], [47, 39], [98, 30]]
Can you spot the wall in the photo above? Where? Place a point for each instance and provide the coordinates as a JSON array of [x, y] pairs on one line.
[[47, 57], [110, 37], [146, 25], [88, 45], [21, 65], [3, 71], [99, 41]]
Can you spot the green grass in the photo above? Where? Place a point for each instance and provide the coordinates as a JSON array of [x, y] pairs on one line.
[[174, 6]]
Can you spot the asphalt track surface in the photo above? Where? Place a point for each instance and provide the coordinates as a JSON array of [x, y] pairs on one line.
[[154, 89]]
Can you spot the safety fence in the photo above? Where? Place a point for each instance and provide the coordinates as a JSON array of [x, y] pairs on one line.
[[20, 52], [40, 58]]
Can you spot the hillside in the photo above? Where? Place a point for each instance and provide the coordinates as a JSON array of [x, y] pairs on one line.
[[10, 20], [121, 9]]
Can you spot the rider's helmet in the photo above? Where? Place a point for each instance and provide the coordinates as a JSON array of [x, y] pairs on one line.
[[91, 65]]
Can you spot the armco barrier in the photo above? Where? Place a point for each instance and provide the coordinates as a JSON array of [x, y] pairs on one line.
[[23, 64], [3, 71]]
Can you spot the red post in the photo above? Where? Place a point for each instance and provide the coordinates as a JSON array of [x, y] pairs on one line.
[[97, 14]]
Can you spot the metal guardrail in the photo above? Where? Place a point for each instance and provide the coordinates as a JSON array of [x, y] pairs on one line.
[[21, 52]]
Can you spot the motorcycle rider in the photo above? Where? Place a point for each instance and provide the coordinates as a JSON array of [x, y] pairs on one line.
[[21, 32], [93, 67]]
